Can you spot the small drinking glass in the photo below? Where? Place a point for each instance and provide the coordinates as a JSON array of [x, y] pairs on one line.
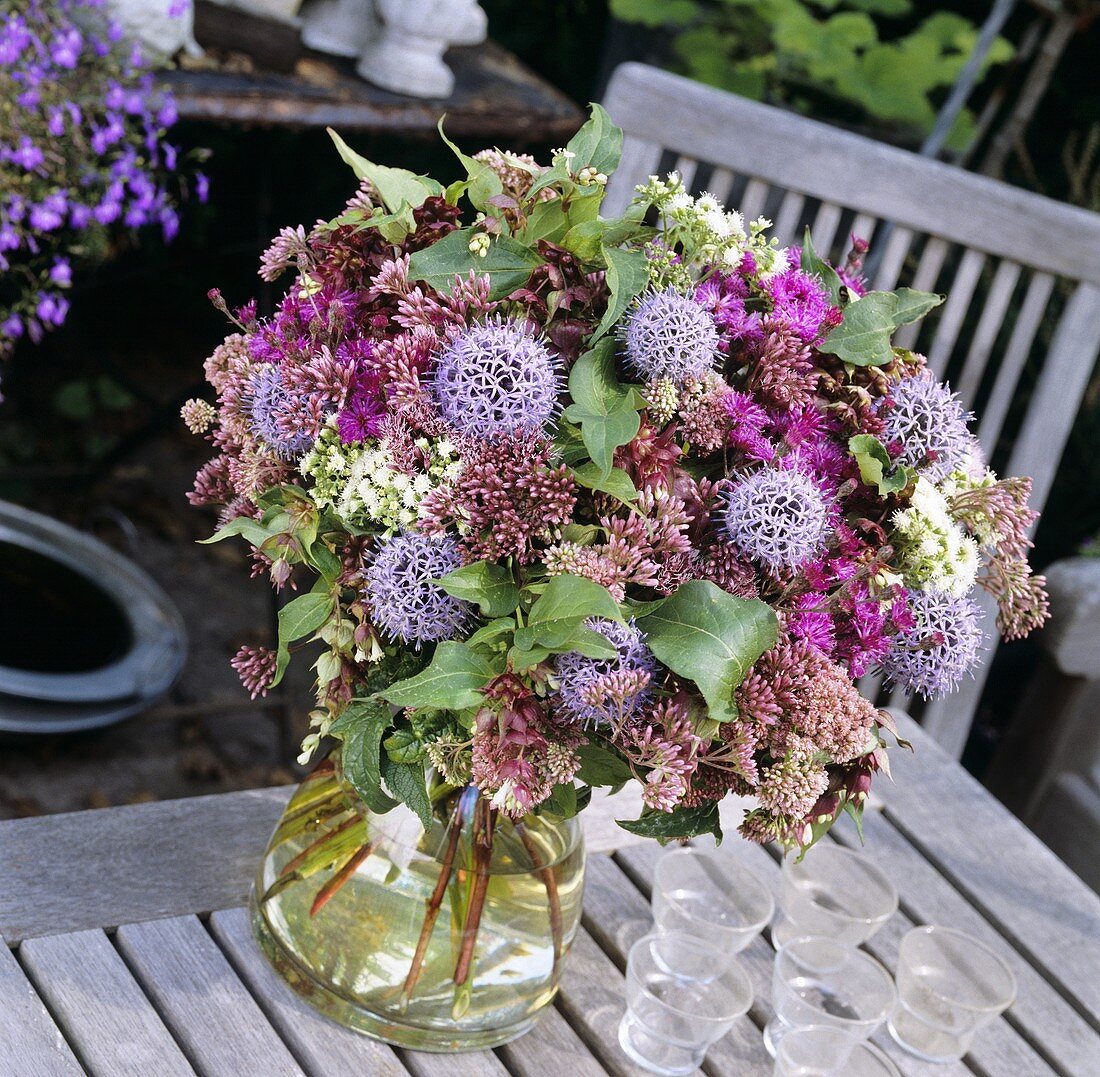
[[833, 892], [949, 986], [818, 1051], [706, 893], [681, 996], [819, 981]]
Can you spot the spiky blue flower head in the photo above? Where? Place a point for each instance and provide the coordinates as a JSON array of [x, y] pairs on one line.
[[497, 378], [943, 645], [930, 424], [779, 518], [595, 690], [669, 335], [404, 601], [269, 397]]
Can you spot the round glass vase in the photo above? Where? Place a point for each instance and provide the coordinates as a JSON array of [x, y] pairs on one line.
[[445, 938]]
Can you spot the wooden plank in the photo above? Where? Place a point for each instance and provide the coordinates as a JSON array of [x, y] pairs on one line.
[[452, 1064], [592, 1000], [863, 227], [924, 280], [1049, 1024], [753, 200], [686, 167], [758, 958], [550, 1047], [641, 158], [617, 915], [720, 184], [823, 230], [106, 1017], [211, 1013], [987, 331], [999, 866], [954, 310], [786, 220], [321, 1046], [893, 259], [139, 862], [31, 1045], [825, 162]]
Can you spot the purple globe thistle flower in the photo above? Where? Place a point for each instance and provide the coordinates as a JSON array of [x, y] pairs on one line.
[[595, 690], [269, 398], [930, 424], [779, 518], [404, 601], [669, 335], [944, 644], [497, 378]]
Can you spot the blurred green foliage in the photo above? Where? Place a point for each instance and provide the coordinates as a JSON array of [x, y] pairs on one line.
[[866, 56]]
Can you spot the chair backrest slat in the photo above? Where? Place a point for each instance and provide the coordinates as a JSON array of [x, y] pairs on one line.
[[989, 328], [1023, 271], [686, 166]]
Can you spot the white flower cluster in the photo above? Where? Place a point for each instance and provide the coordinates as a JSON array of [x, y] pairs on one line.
[[934, 552]]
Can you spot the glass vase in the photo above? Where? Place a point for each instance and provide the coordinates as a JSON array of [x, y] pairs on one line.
[[445, 938]]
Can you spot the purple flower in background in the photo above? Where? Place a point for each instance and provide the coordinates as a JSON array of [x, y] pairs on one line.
[[669, 335], [942, 646], [497, 378], [779, 518], [598, 690], [404, 600], [928, 421]]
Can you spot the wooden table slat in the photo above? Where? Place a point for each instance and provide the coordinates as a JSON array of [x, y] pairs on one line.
[[31, 1045], [1014, 880], [211, 1013], [1040, 1013], [322, 1047], [96, 1000], [467, 1064], [551, 1047]]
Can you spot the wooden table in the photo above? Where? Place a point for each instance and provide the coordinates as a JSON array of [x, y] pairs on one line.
[[129, 951]]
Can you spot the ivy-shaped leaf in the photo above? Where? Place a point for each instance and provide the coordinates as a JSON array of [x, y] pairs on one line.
[[599, 766], [603, 408], [490, 585], [616, 482], [396, 187], [481, 182], [875, 466], [863, 338], [676, 825], [813, 264], [249, 529], [508, 263], [361, 728], [559, 612], [598, 143], [452, 681], [710, 637], [407, 782]]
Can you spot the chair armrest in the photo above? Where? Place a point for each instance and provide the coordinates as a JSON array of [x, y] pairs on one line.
[[1072, 639]]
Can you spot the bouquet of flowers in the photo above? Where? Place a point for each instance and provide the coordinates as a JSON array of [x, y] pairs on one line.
[[573, 501], [82, 147]]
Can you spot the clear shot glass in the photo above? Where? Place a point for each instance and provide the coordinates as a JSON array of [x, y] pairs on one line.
[[681, 996], [819, 981], [949, 986], [833, 892], [706, 893], [818, 1051]]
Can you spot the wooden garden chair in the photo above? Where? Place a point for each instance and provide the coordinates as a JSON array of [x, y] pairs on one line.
[[1020, 331]]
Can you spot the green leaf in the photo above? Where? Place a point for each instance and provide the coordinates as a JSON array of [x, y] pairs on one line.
[[404, 746], [452, 681], [407, 782], [602, 767], [489, 585], [627, 275], [251, 530], [546, 221], [599, 143], [481, 183], [616, 482], [677, 824], [508, 263], [585, 240], [863, 338], [604, 409], [325, 562], [706, 635], [656, 13], [491, 632], [875, 466], [301, 617], [396, 187], [361, 728], [561, 802], [560, 610], [812, 263]]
